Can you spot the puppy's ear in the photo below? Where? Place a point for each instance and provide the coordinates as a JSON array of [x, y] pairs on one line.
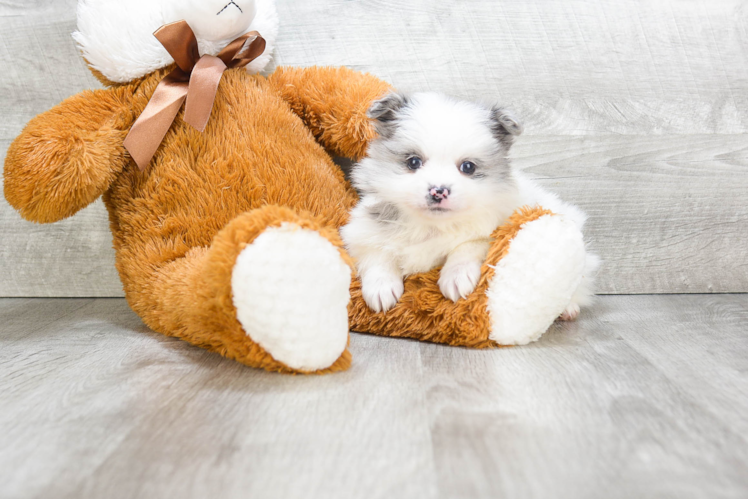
[[385, 112], [505, 125]]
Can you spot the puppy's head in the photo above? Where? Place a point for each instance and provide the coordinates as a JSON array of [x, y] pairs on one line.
[[436, 157]]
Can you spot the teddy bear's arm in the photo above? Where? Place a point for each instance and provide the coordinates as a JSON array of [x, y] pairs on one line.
[[67, 157], [333, 103]]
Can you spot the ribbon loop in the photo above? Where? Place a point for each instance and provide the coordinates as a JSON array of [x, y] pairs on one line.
[[180, 42], [196, 80], [238, 53]]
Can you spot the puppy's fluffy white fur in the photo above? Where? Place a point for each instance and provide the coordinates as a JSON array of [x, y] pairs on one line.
[[434, 186]]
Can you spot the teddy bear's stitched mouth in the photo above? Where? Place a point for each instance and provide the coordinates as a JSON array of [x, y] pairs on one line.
[[229, 5]]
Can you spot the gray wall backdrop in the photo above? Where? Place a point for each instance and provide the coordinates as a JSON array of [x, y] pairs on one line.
[[635, 110]]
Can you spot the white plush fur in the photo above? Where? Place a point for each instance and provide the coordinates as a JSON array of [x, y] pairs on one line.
[[535, 282], [531, 194], [397, 229], [116, 36], [291, 292]]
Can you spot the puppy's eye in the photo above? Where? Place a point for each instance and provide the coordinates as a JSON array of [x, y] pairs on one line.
[[414, 163], [467, 168]]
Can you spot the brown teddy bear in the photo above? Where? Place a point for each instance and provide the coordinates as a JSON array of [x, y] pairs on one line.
[[225, 204]]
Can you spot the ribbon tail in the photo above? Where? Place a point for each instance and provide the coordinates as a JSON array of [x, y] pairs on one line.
[[206, 76], [154, 122]]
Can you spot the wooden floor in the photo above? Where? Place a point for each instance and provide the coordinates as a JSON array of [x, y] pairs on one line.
[[644, 396]]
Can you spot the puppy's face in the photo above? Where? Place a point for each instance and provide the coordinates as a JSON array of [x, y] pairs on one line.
[[437, 158]]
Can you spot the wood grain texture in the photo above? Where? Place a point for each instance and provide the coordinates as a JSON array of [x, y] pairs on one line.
[[635, 110], [667, 213], [576, 67], [39, 67], [607, 407], [643, 397]]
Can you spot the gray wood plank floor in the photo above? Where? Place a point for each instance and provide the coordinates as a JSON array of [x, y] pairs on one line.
[[644, 396]]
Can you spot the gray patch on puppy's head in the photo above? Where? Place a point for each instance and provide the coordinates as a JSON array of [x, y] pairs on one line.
[[385, 113], [505, 126]]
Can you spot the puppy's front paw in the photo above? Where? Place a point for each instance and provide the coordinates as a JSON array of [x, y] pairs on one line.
[[459, 280], [570, 313], [381, 290]]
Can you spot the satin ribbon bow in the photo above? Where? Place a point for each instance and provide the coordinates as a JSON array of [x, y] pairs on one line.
[[195, 80]]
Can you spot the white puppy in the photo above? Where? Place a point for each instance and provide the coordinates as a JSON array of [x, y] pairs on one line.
[[434, 185]]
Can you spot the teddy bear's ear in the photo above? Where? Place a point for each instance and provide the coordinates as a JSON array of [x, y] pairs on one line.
[[385, 112], [504, 125], [116, 38]]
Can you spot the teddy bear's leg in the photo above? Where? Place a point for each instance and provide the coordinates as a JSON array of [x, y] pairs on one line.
[[333, 103], [271, 291], [534, 265]]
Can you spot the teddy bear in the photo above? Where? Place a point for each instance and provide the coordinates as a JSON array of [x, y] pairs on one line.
[[224, 201]]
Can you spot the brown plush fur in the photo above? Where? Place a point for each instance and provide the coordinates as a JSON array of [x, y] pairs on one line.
[[179, 226]]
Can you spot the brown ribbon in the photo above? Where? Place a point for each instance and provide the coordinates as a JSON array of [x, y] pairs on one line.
[[195, 79]]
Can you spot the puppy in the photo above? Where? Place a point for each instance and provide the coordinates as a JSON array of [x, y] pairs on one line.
[[434, 185]]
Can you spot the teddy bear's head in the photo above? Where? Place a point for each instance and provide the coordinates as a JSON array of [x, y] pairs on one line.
[[116, 36], [213, 20]]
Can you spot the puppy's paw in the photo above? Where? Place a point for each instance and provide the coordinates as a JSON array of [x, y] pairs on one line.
[[459, 280], [381, 290], [570, 313]]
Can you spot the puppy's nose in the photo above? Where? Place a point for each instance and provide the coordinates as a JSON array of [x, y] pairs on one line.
[[439, 193]]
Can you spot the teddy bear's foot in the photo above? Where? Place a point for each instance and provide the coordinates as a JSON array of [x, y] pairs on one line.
[[291, 292], [271, 291], [533, 284]]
